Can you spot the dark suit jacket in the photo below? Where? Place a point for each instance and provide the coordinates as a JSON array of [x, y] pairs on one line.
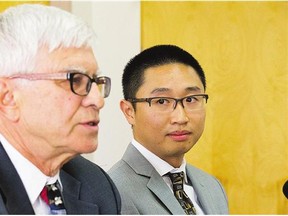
[[87, 189]]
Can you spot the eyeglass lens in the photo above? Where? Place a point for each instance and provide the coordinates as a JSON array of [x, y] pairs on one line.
[[169, 104], [81, 84]]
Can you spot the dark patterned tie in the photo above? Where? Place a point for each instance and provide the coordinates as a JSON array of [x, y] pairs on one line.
[[177, 183], [51, 195]]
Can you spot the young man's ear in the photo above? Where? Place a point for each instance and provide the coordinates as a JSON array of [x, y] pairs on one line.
[[128, 111], [8, 106]]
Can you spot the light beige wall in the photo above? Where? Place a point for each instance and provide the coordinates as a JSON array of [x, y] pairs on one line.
[[117, 25], [243, 47]]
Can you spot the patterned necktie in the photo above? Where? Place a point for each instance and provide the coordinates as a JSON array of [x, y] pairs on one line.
[[51, 195], [177, 183]]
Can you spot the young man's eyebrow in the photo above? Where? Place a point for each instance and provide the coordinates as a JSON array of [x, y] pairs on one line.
[[193, 89], [188, 89], [160, 90]]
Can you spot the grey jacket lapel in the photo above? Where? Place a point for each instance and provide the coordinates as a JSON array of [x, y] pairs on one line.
[[202, 190], [162, 191], [156, 184]]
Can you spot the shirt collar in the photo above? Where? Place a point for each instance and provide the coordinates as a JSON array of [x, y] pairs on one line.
[[161, 166], [33, 179]]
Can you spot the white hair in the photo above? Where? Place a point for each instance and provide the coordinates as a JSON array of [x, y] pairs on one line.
[[26, 28]]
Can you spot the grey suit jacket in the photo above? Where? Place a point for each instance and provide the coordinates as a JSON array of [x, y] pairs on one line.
[[143, 191], [87, 189]]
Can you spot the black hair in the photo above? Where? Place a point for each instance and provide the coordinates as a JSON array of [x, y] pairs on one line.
[[133, 76]]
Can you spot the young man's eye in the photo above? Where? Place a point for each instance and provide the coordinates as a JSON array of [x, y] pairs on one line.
[[191, 99], [162, 101]]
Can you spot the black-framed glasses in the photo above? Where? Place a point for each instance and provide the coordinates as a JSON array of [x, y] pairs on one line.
[[80, 83], [168, 104]]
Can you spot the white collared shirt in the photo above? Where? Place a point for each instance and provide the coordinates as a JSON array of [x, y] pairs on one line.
[[32, 178], [162, 167]]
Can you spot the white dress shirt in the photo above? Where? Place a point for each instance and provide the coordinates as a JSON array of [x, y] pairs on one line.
[[162, 167], [32, 178]]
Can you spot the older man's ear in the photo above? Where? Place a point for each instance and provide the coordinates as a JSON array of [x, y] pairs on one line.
[[8, 107]]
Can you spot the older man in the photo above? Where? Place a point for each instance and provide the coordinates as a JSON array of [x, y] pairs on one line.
[[51, 93]]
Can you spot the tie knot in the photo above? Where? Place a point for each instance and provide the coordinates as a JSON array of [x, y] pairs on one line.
[[51, 194], [177, 178]]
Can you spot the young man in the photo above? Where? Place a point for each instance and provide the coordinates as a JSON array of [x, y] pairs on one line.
[[50, 98], [164, 91]]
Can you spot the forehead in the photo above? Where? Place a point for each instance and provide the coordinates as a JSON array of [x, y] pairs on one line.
[[175, 79], [66, 59]]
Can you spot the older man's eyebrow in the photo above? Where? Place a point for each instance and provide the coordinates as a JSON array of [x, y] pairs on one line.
[[83, 70]]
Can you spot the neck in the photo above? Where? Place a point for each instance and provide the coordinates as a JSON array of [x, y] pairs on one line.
[[47, 159], [176, 162]]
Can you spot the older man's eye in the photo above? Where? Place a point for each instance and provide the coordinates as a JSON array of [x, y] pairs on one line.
[[79, 80]]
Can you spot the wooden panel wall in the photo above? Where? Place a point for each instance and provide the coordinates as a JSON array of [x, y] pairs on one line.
[[243, 47]]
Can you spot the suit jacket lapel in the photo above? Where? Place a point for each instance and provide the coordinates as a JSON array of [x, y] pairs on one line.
[[11, 184], [3, 209], [71, 196], [203, 192], [155, 184]]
